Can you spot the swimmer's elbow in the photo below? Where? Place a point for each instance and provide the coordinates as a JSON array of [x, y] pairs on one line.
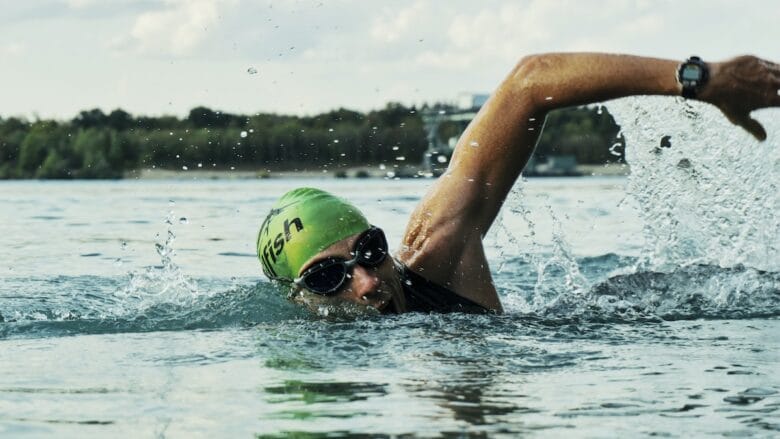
[[529, 80]]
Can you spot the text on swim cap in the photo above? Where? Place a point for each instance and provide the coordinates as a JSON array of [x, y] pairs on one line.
[[273, 248]]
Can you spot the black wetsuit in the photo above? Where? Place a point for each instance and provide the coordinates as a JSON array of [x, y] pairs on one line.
[[423, 295]]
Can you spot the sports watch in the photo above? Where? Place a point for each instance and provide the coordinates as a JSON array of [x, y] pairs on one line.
[[692, 74]]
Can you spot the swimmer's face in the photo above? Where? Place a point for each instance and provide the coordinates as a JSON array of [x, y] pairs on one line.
[[374, 287]]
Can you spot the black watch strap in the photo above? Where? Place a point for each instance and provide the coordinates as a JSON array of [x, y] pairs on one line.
[[692, 75]]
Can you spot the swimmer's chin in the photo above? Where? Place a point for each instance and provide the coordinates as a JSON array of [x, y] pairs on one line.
[[332, 307], [347, 311]]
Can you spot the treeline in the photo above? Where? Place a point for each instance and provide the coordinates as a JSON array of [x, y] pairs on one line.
[[99, 145]]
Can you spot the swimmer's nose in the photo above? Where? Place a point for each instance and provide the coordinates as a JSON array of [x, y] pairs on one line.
[[364, 283]]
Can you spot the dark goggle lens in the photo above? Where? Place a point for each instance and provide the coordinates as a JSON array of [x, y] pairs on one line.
[[372, 249], [325, 279]]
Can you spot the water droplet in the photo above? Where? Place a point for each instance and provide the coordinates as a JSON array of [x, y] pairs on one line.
[[200, 165], [408, 282], [251, 71], [184, 168], [548, 98], [474, 143], [395, 148], [335, 140], [243, 134], [442, 112], [184, 220], [400, 158], [330, 130], [390, 174], [441, 159], [382, 167]]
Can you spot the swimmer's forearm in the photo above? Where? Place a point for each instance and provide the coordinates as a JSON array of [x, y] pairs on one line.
[[736, 86], [557, 80]]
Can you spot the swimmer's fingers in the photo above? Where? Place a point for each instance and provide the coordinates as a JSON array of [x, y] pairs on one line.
[[754, 128], [742, 85]]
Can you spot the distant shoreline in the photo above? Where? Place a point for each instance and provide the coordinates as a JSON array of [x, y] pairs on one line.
[[610, 169]]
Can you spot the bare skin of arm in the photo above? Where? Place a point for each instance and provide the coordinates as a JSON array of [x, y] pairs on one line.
[[443, 239]]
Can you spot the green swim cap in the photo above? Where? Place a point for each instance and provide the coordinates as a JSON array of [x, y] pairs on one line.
[[302, 223]]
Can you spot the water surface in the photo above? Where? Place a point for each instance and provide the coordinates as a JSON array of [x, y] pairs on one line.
[[646, 306]]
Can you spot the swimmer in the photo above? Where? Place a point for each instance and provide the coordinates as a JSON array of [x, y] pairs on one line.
[[327, 253]]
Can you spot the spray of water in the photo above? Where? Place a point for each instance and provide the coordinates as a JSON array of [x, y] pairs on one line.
[[707, 191], [556, 270], [707, 194], [154, 285]]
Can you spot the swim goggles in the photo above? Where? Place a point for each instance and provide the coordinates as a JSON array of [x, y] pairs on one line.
[[328, 276]]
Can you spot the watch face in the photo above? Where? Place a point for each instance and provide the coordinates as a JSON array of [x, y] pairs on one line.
[[691, 72]]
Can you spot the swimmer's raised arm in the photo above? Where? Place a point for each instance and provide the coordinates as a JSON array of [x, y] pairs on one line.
[[444, 235]]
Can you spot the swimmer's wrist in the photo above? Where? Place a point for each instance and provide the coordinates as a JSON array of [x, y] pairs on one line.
[[711, 88]]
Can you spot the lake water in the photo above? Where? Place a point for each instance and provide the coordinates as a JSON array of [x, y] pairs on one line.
[[641, 306]]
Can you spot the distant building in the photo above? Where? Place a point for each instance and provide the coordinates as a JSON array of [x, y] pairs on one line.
[[471, 101]]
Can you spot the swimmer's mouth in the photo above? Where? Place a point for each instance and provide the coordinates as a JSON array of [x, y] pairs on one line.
[[381, 302]]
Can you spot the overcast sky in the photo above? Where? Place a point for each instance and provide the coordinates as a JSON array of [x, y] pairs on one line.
[[154, 57]]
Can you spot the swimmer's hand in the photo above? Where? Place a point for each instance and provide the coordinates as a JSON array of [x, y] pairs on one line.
[[741, 85]]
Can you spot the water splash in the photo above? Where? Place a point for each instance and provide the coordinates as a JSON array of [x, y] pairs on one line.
[[692, 292], [556, 270], [157, 298], [708, 196], [707, 191], [165, 283]]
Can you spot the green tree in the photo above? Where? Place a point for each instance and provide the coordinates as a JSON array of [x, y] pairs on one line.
[[42, 136]]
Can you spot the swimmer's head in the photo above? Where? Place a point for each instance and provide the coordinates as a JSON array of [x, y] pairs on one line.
[[302, 223]]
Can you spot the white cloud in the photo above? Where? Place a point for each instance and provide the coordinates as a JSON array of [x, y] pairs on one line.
[[179, 28], [80, 4], [394, 25], [11, 49]]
